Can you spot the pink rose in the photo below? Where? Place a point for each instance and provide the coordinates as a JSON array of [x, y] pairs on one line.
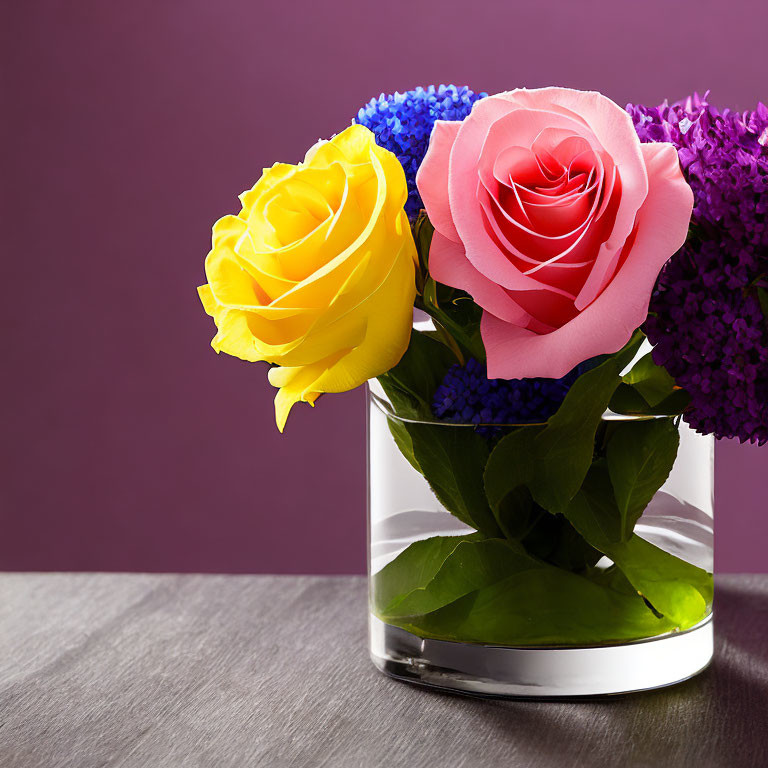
[[556, 219]]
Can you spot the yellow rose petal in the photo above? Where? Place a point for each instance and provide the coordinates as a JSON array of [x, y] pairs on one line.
[[316, 274], [294, 385]]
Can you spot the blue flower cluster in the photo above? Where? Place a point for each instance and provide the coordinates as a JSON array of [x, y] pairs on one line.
[[467, 396], [705, 317], [402, 123]]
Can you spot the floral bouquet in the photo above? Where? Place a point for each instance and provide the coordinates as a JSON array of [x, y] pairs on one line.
[[551, 297]]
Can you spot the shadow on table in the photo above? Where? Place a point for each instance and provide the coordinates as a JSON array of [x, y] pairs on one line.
[[719, 718]]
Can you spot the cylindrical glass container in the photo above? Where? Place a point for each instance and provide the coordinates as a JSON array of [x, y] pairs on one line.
[[453, 610]]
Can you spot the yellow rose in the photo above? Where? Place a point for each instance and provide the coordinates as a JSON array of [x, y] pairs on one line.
[[316, 274]]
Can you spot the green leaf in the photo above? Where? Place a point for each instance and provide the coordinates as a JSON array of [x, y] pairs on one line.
[[762, 297], [403, 441], [422, 235], [649, 390], [593, 511], [512, 464], [542, 606], [411, 384], [452, 309], [640, 456], [414, 567], [677, 590], [549, 537], [553, 460], [570, 549], [492, 591], [517, 513], [650, 380], [471, 565], [457, 313], [627, 400], [453, 459]]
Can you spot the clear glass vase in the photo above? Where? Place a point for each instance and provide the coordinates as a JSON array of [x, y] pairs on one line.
[[490, 619]]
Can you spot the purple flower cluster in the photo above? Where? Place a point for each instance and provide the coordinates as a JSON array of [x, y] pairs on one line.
[[467, 396], [705, 316], [402, 123]]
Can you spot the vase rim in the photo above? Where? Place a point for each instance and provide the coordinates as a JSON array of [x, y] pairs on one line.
[[381, 403]]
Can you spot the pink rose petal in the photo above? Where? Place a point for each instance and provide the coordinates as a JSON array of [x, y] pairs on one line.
[[432, 177], [448, 265], [608, 323], [549, 212]]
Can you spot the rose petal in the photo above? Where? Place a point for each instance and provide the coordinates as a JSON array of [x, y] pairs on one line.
[[608, 323], [613, 129], [432, 177], [448, 264], [517, 277]]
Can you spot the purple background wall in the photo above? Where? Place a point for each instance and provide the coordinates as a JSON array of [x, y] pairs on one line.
[[127, 129]]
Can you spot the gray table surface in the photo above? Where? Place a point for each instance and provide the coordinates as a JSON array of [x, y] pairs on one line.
[[150, 670]]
